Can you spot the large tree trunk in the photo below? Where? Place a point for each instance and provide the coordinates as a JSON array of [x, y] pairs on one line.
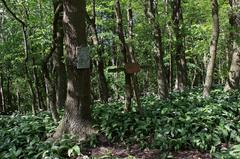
[[181, 75], [77, 115], [213, 49], [151, 13], [59, 66], [103, 86]]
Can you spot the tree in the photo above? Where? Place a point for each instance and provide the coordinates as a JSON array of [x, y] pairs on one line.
[[181, 66], [213, 49], [77, 115], [103, 86], [58, 58], [127, 51], [2, 104], [26, 51], [234, 72], [151, 13]]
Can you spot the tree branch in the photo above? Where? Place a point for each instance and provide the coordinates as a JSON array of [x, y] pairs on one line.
[[12, 13]]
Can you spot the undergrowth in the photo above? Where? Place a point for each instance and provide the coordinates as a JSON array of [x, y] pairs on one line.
[[184, 122]]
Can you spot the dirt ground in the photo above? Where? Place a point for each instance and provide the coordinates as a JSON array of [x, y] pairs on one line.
[[138, 153]]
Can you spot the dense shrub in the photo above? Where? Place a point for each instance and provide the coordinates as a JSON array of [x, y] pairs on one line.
[[185, 121], [26, 137]]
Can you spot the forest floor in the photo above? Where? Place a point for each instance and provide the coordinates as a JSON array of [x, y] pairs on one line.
[[135, 152], [185, 127], [138, 153]]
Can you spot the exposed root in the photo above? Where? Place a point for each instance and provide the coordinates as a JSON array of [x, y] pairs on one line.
[[81, 129]]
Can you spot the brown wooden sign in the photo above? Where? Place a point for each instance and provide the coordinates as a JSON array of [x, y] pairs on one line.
[[132, 68]]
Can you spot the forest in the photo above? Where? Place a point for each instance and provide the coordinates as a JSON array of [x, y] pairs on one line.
[[112, 79]]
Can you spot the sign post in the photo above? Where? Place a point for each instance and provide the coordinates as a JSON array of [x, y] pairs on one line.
[[83, 57]]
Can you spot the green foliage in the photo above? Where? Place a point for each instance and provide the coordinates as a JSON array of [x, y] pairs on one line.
[[186, 121], [26, 137]]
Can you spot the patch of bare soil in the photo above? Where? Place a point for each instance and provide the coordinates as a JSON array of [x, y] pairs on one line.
[[138, 153], [192, 155], [120, 152]]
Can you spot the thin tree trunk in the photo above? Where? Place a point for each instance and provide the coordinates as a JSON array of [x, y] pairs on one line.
[[213, 49], [60, 71], [181, 75], [47, 95], [29, 81], [55, 50], [77, 115], [234, 48], [26, 51], [151, 13], [124, 50], [195, 73], [170, 47], [37, 84], [103, 86], [134, 79], [9, 93], [51, 93], [127, 57], [18, 100], [28, 78], [2, 103]]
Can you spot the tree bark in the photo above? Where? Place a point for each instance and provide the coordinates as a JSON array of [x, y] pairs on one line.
[[234, 72], [151, 13], [77, 115], [213, 49], [181, 69], [58, 57]]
